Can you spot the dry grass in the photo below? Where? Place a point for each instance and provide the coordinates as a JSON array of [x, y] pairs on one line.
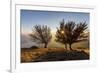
[[30, 55]]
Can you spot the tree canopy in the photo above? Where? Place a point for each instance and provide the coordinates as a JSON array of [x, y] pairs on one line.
[[70, 32], [41, 34]]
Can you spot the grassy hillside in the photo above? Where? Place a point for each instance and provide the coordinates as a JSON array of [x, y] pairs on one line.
[[52, 54]]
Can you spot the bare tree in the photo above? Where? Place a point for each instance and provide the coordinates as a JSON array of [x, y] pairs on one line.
[[70, 32], [74, 32], [41, 34], [60, 34]]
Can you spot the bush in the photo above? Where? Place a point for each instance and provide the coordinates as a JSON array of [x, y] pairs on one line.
[[33, 47]]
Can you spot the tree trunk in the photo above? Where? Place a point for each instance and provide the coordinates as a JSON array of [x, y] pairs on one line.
[[45, 45], [70, 46], [66, 46]]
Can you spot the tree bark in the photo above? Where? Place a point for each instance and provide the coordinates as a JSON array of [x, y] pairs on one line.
[[45, 45], [70, 46]]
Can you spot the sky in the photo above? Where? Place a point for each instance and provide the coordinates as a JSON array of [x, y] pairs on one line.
[[29, 18]]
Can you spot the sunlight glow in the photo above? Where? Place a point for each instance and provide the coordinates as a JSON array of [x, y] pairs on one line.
[[62, 32]]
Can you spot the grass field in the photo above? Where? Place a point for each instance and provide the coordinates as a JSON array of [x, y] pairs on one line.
[[52, 54]]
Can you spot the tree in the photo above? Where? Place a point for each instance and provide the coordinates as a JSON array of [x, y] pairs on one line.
[[60, 34], [41, 34], [70, 32], [74, 31]]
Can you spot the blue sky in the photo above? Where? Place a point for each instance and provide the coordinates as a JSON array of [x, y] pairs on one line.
[[29, 18]]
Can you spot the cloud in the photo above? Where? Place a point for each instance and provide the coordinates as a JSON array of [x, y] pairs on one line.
[[26, 41]]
